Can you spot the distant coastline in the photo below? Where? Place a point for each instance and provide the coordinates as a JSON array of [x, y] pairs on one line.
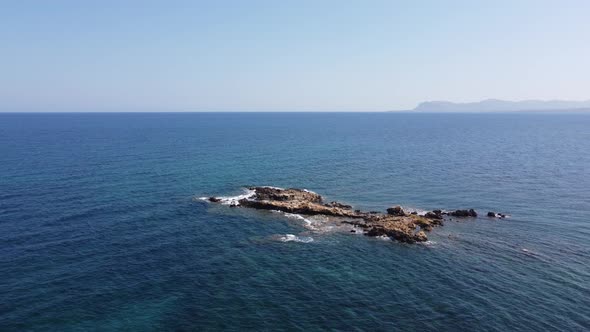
[[497, 105]]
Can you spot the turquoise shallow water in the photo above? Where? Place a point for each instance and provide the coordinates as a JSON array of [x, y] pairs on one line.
[[100, 228]]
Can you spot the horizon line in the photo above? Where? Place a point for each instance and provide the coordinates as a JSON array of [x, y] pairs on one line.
[[572, 110]]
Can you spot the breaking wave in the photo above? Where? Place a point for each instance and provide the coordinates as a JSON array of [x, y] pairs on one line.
[[233, 200], [295, 238]]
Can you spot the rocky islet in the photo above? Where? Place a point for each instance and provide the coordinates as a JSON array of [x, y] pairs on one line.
[[396, 223]]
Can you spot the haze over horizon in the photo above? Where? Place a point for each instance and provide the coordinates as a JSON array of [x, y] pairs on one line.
[[289, 56]]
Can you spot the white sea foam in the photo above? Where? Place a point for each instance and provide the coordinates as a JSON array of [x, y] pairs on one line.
[[233, 200], [298, 217], [419, 211], [295, 238], [311, 224], [357, 230], [409, 209]]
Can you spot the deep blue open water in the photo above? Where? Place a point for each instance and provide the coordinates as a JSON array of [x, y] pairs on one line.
[[100, 228]]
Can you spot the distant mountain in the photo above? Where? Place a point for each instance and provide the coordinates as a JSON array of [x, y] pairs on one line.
[[496, 105]]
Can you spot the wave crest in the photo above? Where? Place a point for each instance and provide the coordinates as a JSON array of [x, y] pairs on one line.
[[295, 238], [233, 200]]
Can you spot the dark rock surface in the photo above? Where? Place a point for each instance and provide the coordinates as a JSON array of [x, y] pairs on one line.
[[463, 213], [436, 214], [340, 205], [396, 211]]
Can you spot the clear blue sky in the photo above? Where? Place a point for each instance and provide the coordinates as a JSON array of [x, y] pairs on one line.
[[288, 55]]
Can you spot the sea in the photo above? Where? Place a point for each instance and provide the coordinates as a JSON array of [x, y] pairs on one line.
[[103, 226]]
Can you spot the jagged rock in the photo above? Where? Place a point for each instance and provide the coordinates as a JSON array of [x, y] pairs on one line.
[[436, 214], [427, 223], [375, 231], [463, 213], [340, 205], [424, 224], [414, 213], [459, 213], [302, 207], [396, 211], [492, 214], [403, 235], [426, 228], [291, 194], [421, 236]]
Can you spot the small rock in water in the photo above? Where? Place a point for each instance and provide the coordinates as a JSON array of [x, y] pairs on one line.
[[464, 213], [396, 211], [436, 214], [214, 199], [491, 214]]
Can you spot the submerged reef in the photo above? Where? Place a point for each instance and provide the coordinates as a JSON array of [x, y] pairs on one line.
[[396, 223]]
